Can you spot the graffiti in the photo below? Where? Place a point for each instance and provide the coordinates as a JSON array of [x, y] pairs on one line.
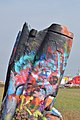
[[36, 68]]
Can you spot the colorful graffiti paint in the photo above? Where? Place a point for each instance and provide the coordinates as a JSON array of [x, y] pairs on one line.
[[36, 67]]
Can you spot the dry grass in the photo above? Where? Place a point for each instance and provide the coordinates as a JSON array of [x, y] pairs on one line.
[[68, 103], [1, 93], [71, 114]]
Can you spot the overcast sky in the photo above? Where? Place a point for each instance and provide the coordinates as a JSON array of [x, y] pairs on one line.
[[39, 14]]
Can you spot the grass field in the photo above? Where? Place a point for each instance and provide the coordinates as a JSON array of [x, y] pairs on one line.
[[67, 102], [1, 93]]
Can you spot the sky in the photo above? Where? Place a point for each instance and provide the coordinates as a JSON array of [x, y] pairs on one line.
[[39, 14]]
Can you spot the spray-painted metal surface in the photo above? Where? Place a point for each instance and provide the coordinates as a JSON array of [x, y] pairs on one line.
[[35, 71]]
